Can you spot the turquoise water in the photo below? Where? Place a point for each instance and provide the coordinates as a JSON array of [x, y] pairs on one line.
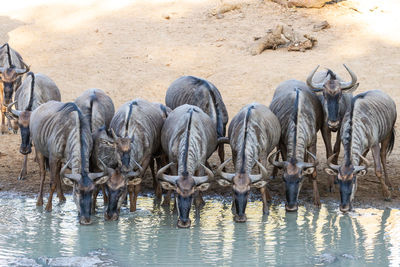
[[149, 236]]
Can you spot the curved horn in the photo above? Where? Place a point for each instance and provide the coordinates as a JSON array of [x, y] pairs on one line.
[[331, 165], [106, 169], [72, 176], [22, 71], [263, 174], [202, 179], [274, 162], [208, 171], [161, 171], [316, 162], [367, 163], [225, 175], [115, 137], [315, 87], [138, 165], [16, 113], [348, 85]]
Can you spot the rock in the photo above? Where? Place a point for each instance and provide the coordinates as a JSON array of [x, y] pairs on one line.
[[166, 16], [302, 3], [320, 26], [307, 3], [224, 8]]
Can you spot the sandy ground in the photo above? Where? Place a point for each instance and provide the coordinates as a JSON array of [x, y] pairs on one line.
[[135, 49]]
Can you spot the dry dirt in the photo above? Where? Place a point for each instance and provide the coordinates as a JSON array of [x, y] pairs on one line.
[[135, 49]]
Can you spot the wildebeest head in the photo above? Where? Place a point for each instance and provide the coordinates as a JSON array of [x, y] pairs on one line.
[[185, 185], [241, 183], [123, 149], [347, 179], [116, 188], [23, 118], [293, 176], [83, 185], [8, 76], [332, 90]]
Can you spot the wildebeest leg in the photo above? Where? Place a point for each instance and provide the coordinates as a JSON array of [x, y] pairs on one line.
[[266, 199], [167, 197], [131, 189], [233, 207], [53, 184], [105, 197], [95, 194], [60, 193], [22, 174], [327, 137], [316, 199], [384, 146], [135, 196], [265, 195], [3, 121], [42, 170], [14, 125], [378, 171]]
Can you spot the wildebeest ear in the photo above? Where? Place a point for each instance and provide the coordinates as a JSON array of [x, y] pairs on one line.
[[203, 186], [223, 182], [101, 180], [167, 186], [362, 172], [259, 184], [308, 171], [330, 171], [68, 181], [135, 181]]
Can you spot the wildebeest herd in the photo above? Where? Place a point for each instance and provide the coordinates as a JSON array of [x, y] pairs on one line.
[[89, 146]]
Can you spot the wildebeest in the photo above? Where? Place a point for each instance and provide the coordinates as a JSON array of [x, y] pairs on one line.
[[370, 121], [35, 90], [11, 68], [199, 92], [300, 114], [136, 133], [60, 133], [253, 133], [335, 96], [188, 138], [98, 110], [97, 107]]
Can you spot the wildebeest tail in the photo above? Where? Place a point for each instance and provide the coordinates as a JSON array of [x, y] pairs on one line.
[[93, 99]]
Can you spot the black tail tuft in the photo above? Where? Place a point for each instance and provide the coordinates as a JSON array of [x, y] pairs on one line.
[[391, 143]]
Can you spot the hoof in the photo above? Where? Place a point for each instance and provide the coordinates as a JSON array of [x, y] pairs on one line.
[[21, 177], [48, 208], [62, 199], [388, 199]]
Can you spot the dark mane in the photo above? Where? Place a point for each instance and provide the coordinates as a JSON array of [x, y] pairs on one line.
[[349, 131], [29, 108], [246, 121], [71, 107], [331, 73], [129, 116], [186, 153], [294, 119]]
